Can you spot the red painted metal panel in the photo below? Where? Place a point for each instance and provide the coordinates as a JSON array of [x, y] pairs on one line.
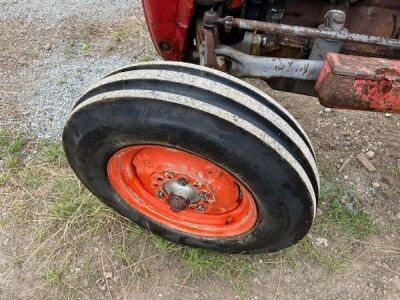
[[168, 22], [236, 3], [361, 83]]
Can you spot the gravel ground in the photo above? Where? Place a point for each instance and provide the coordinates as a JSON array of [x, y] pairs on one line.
[[46, 46], [48, 14]]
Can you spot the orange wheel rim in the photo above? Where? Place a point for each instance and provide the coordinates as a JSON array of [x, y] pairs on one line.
[[151, 178]]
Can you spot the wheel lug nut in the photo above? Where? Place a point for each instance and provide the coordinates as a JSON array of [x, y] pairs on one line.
[[160, 194], [203, 196], [182, 181], [201, 208]]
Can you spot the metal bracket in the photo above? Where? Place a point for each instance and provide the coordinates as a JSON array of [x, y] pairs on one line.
[[244, 65]]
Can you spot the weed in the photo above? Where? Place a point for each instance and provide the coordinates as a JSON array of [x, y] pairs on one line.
[[53, 275], [118, 36], [33, 177], [394, 169], [61, 81], [356, 222], [109, 49], [333, 262], [201, 262], [75, 205], [11, 146], [69, 48], [86, 33], [5, 138], [145, 58], [17, 144], [13, 161], [90, 271], [86, 47], [17, 262], [134, 231], [124, 254], [4, 176], [161, 243], [333, 190], [11, 142], [52, 152], [305, 248]]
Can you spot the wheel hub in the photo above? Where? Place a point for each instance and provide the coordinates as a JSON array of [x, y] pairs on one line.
[[182, 194], [174, 188]]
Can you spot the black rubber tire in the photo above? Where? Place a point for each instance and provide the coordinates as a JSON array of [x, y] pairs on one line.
[[212, 75], [213, 116]]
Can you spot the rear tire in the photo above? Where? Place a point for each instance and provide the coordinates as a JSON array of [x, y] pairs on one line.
[[214, 117]]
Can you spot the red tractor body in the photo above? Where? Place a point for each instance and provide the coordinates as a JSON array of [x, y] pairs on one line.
[[168, 22], [175, 25]]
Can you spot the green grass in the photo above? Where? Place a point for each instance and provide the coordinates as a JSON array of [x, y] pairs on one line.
[[357, 222], [53, 275], [134, 231], [61, 81], [124, 254], [69, 49], [4, 176], [333, 190], [11, 142], [202, 262], [305, 249], [51, 152], [11, 146], [86, 47], [17, 262], [161, 243], [394, 169], [333, 262], [118, 35], [145, 58], [75, 205]]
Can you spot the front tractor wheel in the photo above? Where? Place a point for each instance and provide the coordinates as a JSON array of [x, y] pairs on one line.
[[196, 156]]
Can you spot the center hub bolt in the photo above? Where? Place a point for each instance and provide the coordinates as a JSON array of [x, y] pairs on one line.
[[182, 181], [177, 203]]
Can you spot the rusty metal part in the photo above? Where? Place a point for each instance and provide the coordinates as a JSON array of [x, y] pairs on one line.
[[393, 4], [289, 30], [177, 203], [370, 17], [211, 19], [251, 43], [360, 83], [207, 37], [207, 51], [243, 65], [334, 20], [228, 24]]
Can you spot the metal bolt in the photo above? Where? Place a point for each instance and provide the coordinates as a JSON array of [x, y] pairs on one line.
[[201, 208], [204, 196], [160, 194], [177, 203], [264, 41], [164, 46], [182, 181]]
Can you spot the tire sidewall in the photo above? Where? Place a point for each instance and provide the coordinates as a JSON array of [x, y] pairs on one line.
[[91, 137]]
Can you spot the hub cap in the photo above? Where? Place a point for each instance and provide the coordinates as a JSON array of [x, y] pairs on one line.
[[183, 191]]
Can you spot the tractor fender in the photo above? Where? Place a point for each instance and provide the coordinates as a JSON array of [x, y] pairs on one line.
[[168, 22]]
